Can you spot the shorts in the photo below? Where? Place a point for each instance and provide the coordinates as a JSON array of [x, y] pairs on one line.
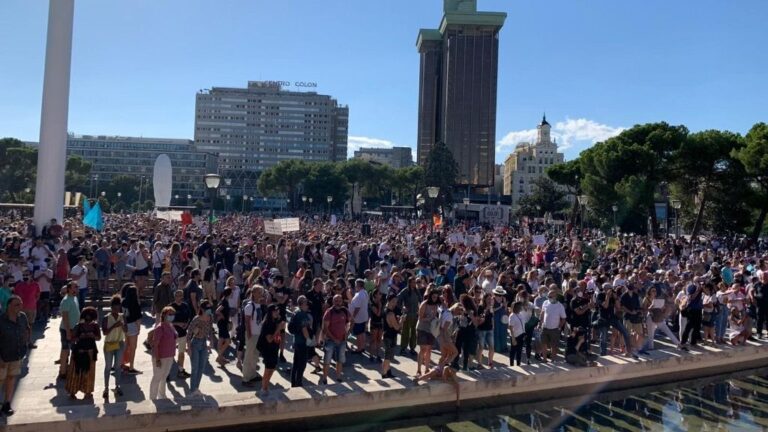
[[132, 328], [332, 349], [181, 343], [65, 343], [485, 339], [10, 369], [358, 328], [550, 337], [389, 349], [424, 338]]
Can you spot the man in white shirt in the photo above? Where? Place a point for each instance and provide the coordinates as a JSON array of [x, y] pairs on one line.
[[552, 320], [252, 318], [359, 308], [79, 274]]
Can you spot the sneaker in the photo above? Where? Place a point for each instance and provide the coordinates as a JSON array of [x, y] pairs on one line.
[[282, 359]]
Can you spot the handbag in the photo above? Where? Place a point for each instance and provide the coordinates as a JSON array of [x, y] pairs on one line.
[[505, 319], [111, 346], [531, 324], [434, 327]]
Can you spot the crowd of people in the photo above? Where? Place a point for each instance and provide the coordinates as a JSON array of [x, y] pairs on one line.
[[328, 291]]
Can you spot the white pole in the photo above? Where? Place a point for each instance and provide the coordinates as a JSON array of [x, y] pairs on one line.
[[52, 153]]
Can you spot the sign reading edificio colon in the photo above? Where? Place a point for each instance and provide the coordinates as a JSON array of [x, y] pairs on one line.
[[304, 84]]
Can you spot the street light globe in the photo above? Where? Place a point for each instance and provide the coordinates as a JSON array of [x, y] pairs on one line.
[[498, 203], [676, 204], [303, 198], [119, 194], [329, 198], [175, 196], [103, 194], [433, 191], [465, 201], [189, 196], [615, 208], [228, 197], [212, 181], [288, 200], [310, 200], [228, 181]]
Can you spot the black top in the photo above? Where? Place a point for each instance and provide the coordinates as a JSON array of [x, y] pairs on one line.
[[182, 315], [389, 332], [487, 324]]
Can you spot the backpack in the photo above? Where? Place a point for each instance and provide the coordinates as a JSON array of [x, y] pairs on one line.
[[294, 326], [257, 315]]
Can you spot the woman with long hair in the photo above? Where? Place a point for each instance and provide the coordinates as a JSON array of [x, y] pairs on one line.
[[132, 315], [424, 334], [376, 313], [209, 284], [485, 330], [176, 262], [448, 350], [199, 331], [81, 375], [269, 343], [223, 310], [114, 329]]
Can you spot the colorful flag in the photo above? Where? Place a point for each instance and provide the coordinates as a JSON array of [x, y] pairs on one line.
[[95, 218]]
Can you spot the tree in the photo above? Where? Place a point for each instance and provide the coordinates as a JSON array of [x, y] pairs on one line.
[[283, 178], [408, 182], [628, 169], [754, 157], [76, 175], [442, 171], [567, 175], [546, 197], [325, 179], [704, 166]]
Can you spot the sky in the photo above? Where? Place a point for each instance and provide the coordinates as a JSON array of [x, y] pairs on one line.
[[595, 67]]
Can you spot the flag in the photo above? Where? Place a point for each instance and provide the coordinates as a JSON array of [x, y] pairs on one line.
[[186, 218], [86, 208], [95, 218], [437, 220]]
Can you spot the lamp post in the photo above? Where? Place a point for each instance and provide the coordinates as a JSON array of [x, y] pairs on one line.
[[304, 200], [288, 204], [176, 199], [329, 198], [615, 208], [466, 206], [189, 197], [228, 198], [676, 204], [212, 183], [310, 204], [245, 198], [141, 185], [119, 194]]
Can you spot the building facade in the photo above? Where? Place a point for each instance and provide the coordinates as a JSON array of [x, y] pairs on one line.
[[529, 162], [395, 157], [254, 128], [457, 89], [113, 156]]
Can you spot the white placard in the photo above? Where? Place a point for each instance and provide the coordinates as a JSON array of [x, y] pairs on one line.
[[272, 227], [333, 220], [539, 240], [288, 224]]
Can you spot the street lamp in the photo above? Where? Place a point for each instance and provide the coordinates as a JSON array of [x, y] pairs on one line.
[[288, 204], [310, 204], [583, 203], [329, 198], [119, 194], [676, 204], [228, 198], [176, 198], [212, 183], [189, 197], [245, 198], [304, 200], [615, 208]]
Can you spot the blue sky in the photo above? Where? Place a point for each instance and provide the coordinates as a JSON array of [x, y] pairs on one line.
[[594, 66]]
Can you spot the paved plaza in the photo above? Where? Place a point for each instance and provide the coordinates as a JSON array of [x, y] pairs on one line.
[[40, 398]]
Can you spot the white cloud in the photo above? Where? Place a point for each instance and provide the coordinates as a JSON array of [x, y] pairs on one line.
[[358, 142], [570, 134]]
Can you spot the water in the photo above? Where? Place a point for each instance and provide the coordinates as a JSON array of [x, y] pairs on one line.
[[736, 402]]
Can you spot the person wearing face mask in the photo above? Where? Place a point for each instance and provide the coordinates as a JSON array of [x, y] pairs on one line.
[[81, 375], [199, 332], [163, 352]]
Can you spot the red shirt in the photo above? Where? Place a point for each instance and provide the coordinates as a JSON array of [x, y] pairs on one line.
[[336, 322], [29, 292]]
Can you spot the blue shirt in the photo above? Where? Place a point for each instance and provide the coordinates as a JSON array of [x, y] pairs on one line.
[[694, 303], [70, 305]]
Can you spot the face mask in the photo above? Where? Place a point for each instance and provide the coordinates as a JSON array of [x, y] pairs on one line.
[[169, 318]]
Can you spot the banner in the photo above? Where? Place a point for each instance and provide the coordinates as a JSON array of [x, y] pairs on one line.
[[169, 215], [539, 240], [612, 243], [272, 227], [288, 224]]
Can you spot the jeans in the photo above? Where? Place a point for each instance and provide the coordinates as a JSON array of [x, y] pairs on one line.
[[157, 273], [299, 364], [721, 322], [516, 351], [82, 293], [693, 327], [159, 374], [112, 360], [408, 334], [198, 360], [619, 326], [652, 326]]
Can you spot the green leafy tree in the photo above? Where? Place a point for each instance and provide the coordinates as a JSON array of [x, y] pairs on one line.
[[704, 167], [408, 182], [546, 197], [628, 169], [284, 178], [76, 175], [441, 170], [568, 175], [325, 179], [754, 157]]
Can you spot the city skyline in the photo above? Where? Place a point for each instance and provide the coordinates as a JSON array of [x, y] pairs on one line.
[[593, 71]]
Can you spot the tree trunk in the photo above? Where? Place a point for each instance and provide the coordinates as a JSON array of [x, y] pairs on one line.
[[654, 222], [699, 216], [759, 223]]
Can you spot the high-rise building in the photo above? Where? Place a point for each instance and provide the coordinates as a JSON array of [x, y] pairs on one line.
[[529, 162], [457, 89], [113, 156], [256, 127], [395, 157]]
